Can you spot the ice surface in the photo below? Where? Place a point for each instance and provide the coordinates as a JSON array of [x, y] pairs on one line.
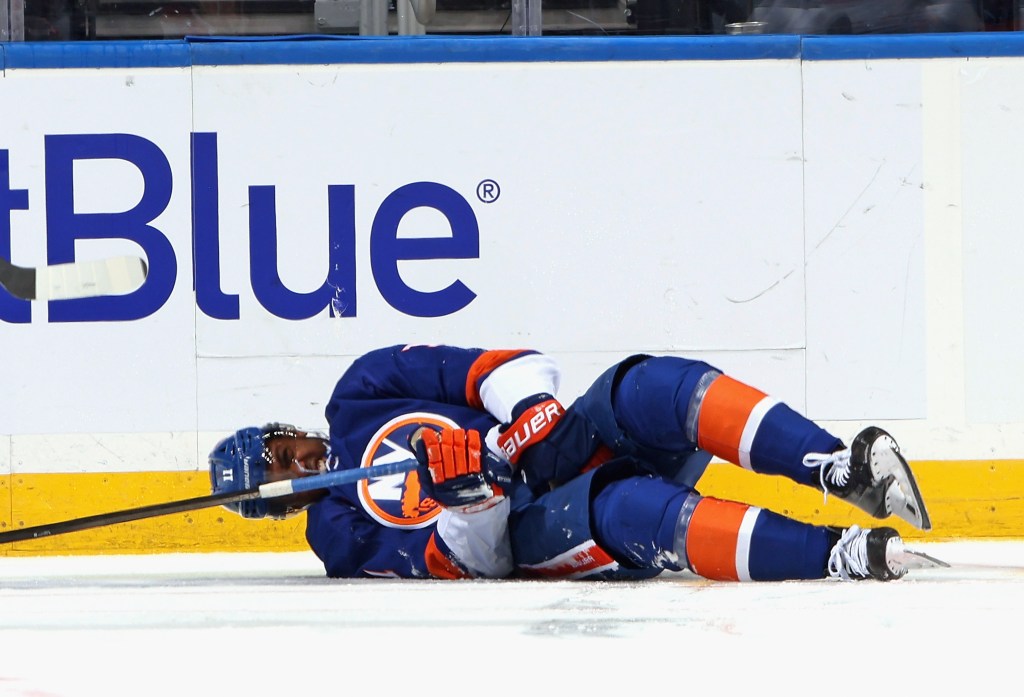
[[264, 624]]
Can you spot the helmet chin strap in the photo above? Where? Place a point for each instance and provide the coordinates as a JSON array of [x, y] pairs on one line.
[[322, 467], [325, 464]]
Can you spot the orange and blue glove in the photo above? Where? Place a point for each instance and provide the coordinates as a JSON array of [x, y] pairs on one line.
[[457, 471]]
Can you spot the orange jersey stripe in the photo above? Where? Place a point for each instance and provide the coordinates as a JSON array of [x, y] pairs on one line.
[[438, 563], [482, 366], [584, 559], [602, 455], [724, 413], [712, 538]]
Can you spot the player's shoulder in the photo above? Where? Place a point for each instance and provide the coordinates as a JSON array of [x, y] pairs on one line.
[[414, 357]]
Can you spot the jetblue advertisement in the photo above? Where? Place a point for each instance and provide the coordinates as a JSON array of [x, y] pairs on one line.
[[291, 217]]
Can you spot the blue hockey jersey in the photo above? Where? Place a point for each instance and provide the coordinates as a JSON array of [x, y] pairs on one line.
[[388, 527]]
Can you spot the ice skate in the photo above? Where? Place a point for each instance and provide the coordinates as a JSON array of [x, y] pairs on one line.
[[872, 475], [859, 554]]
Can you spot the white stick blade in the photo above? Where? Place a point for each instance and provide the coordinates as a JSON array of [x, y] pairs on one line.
[[86, 279]]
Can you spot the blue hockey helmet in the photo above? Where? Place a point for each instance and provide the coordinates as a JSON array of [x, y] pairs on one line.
[[240, 462]]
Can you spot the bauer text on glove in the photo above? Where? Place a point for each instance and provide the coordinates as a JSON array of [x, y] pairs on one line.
[[533, 419]]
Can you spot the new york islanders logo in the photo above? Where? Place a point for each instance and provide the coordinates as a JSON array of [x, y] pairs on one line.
[[398, 500]]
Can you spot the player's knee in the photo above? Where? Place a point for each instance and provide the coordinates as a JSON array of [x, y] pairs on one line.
[[636, 521], [677, 386]]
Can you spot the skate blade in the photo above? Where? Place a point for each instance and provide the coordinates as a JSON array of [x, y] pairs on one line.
[[904, 499], [906, 507], [913, 559]]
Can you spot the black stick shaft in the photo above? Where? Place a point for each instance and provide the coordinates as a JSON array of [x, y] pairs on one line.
[[95, 521], [272, 490]]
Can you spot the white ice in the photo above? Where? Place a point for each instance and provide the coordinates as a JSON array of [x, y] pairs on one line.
[[266, 624]]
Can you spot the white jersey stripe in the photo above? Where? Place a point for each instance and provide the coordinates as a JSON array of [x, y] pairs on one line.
[[743, 538], [521, 377], [754, 420]]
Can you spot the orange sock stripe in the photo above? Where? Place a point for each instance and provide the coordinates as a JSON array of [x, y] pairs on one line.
[[482, 367], [712, 538], [724, 413]]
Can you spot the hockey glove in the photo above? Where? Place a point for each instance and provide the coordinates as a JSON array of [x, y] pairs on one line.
[[457, 471], [534, 418], [550, 444]]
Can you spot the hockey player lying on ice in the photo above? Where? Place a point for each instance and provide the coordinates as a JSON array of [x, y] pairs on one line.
[[512, 484]]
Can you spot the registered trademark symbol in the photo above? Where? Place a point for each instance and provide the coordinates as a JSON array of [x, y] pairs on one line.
[[488, 191]]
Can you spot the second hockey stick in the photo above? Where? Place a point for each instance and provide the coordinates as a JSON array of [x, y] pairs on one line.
[[269, 490], [77, 279]]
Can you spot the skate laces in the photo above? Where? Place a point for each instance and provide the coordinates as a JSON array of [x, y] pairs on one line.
[[849, 557], [837, 475]]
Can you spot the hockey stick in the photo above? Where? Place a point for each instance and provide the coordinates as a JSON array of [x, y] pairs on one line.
[[77, 279], [270, 490]]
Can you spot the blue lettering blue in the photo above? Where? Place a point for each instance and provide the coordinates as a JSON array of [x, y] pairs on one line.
[[387, 248], [267, 285], [337, 293], [210, 299], [65, 226], [11, 309]]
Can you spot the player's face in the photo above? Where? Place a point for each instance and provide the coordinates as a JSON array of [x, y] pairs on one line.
[[292, 457]]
